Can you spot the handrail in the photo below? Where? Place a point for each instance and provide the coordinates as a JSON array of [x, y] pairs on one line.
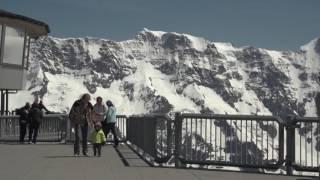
[[171, 133], [235, 116]]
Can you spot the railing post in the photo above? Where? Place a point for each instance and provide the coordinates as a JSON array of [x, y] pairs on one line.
[[169, 138], [290, 158], [281, 142], [65, 130], [177, 139], [127, 128]]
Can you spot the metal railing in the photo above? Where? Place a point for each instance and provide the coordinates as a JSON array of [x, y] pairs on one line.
[[204, 139], [121, 128], [303, 144], [51, 128], [230, 140], [246, 141], [152, 134]]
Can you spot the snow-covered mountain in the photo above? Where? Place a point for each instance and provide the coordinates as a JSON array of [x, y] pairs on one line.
[[165, 71]]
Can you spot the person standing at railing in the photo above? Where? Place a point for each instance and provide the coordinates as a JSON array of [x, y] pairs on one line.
[[99, 110], [35, 116], [43, 107], [110, 122], [23, 120], [81, 115]]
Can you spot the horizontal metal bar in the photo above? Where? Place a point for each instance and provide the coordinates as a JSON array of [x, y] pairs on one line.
[[219, 163], [308, 169], [121, 116], [307, 119], [9, 117], [164, 116], [45, 116], [233, 117]]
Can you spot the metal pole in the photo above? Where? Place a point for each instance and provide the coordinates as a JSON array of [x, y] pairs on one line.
[[178, 139], [169, 137], [7, 102], [281, 142], [2, 103], [290, 158]]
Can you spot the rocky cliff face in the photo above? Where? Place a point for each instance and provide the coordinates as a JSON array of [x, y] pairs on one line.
[[162, 72]]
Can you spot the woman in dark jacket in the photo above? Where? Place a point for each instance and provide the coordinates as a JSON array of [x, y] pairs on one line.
[[36, 117], [80, 116]]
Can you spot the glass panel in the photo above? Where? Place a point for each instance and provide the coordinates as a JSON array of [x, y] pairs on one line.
[[13, 46], [0, 34], [0, 39], [26, 52]]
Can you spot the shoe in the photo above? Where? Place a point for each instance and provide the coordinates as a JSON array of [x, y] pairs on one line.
[[85, 154]]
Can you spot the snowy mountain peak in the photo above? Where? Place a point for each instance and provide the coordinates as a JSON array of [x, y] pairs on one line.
[[167, 71], [155, 33], [312, 45], [173, 39], [317, 46]]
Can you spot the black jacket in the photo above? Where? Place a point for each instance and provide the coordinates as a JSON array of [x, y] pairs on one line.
[[35, 115], [24, 115]]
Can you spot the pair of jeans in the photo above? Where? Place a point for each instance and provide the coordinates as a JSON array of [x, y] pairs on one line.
[[33, 131], [111, 126], [23, 131], [84, 136], [97, 149]]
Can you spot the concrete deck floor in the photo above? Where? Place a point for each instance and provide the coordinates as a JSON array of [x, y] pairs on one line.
[[56, 162]]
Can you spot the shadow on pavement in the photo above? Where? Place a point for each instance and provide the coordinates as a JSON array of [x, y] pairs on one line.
[[57, 157]]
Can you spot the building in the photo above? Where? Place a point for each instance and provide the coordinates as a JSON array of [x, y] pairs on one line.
[[15, 34]]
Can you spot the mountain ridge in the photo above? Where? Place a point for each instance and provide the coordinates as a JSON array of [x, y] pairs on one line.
[[196, 75]]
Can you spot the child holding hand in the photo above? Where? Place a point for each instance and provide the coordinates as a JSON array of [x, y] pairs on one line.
[[98, 139]]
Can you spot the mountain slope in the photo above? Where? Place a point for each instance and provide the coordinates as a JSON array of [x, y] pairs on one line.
[[163, 72]]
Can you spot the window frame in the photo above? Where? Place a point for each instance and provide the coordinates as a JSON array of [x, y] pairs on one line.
[[18, 66], [26, 56]]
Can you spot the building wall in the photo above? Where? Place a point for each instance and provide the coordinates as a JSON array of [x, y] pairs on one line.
[[12, 78]]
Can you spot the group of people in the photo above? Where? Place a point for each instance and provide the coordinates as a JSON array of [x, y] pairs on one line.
[[83, 114], [30, 116]]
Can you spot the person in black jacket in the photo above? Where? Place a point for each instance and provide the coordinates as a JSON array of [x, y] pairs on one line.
[[80, 116], [36, 117], [23, 121], [43, 107]]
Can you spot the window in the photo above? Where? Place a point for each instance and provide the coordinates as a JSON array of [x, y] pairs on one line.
[[0, 40], [26, 53], [13, 46]]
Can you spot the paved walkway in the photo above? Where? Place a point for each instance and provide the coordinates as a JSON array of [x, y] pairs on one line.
[[56, 162]]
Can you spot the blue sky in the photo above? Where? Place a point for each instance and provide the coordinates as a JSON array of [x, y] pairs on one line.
[[272, 24]]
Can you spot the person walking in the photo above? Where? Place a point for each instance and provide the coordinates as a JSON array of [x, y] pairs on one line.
[[81, 116], [110, 122], [23, 121], [98, 139], [36, 117]]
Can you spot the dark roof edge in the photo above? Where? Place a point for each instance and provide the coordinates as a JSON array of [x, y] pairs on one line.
[[23, 18]]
